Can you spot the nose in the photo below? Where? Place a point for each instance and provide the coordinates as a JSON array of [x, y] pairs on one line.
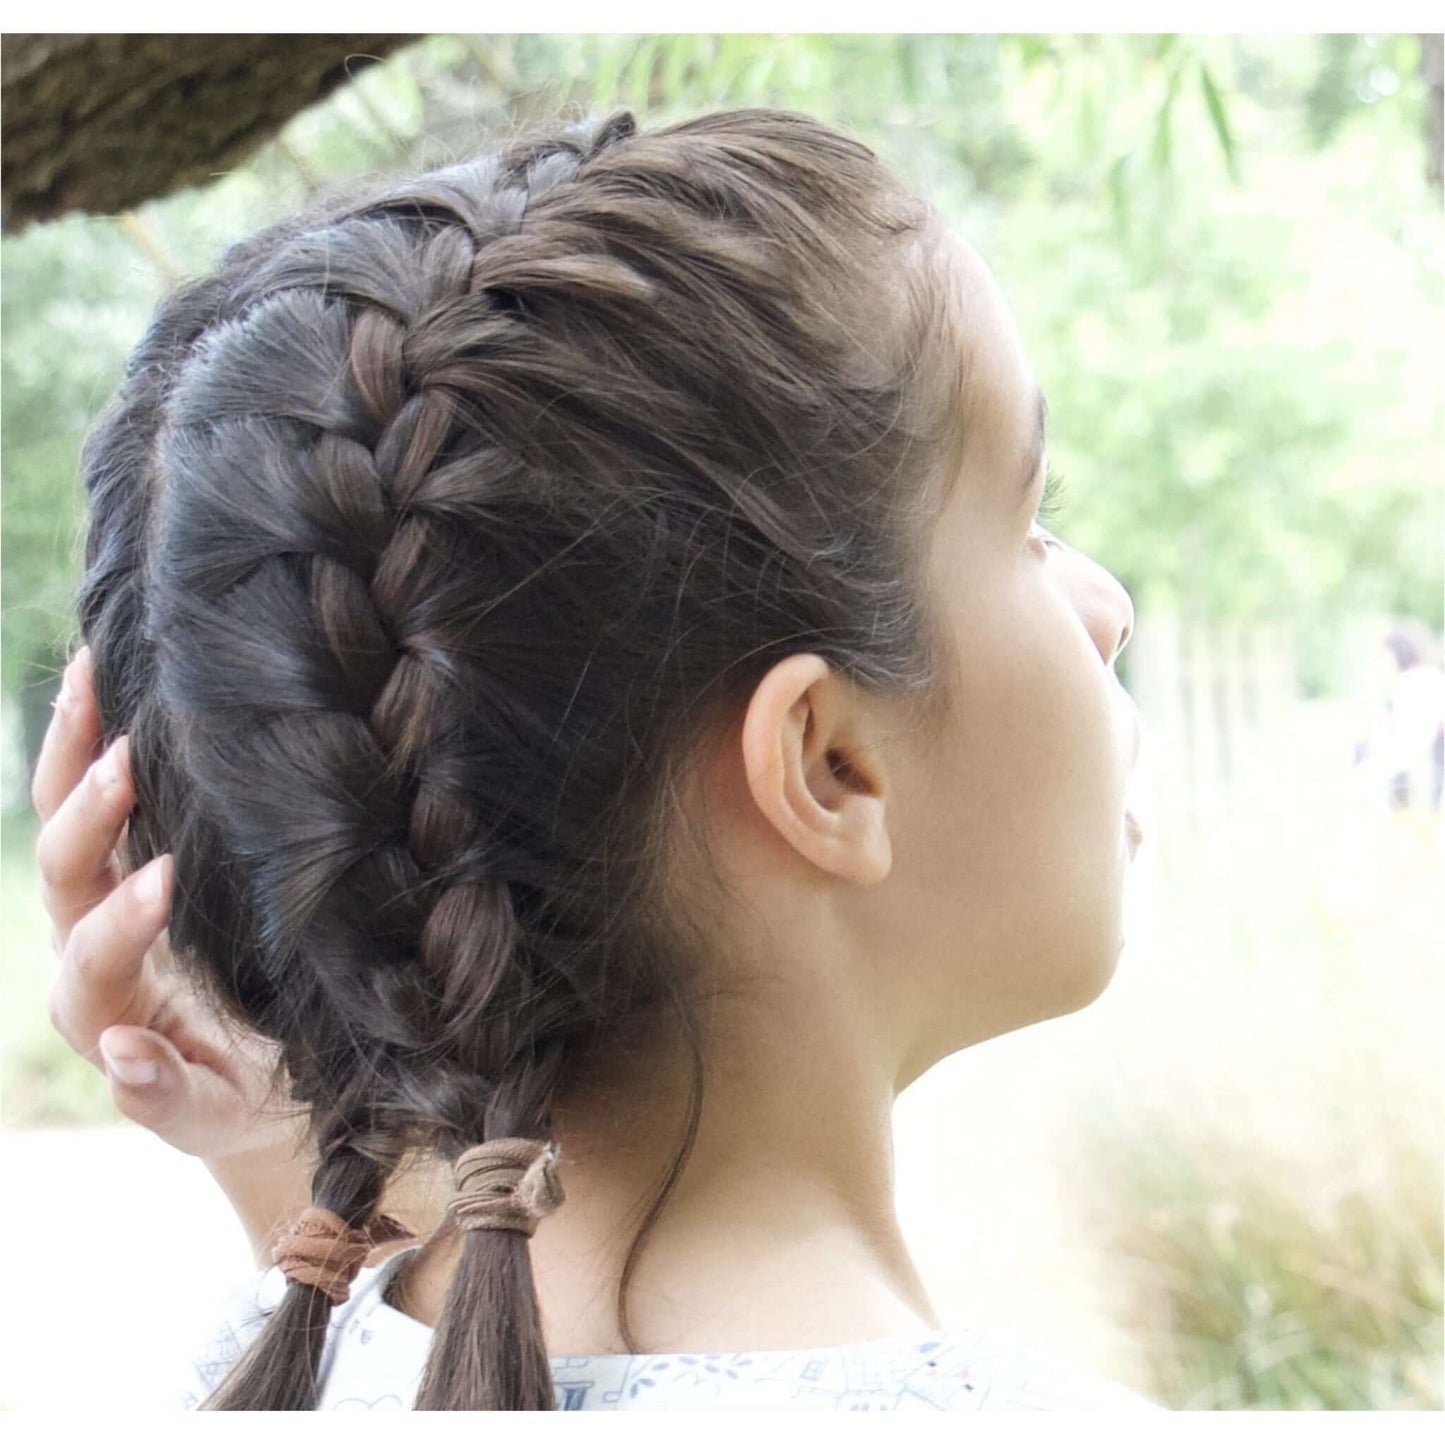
[[1125, 612], [1103, 602]]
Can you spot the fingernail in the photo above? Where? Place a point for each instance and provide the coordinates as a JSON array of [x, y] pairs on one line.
[[150, 881], [130, 1071]]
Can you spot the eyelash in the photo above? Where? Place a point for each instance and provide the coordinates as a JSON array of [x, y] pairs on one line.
[[1050, 503]]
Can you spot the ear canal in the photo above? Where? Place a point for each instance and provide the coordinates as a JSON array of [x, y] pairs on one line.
[[843, 770]]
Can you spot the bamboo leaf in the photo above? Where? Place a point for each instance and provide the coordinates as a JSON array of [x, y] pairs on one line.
[[678, 55], [910, 68], [1163, 148], [637, 81], [1031, 49], [1219, 118], [604, 82]]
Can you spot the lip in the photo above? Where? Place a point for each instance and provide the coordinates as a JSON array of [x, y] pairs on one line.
[[1135, 832]]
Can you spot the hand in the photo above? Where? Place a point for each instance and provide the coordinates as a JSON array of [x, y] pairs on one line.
[[198, 1081]]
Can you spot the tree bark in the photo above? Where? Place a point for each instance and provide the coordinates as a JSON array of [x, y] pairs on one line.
[[101, 123]]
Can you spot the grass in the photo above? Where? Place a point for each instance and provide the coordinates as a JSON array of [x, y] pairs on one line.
[[1263, 1179], [1253, 1283]]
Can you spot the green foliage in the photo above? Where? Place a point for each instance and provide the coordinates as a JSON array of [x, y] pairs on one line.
[[1178, 221], [1219, 119], [1262, 1180], [1270, 1299], [1236, 454], [1355, 72], [1228, 272], [75, 296]]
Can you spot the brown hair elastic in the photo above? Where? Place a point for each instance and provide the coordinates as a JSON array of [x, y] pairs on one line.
[[318, 1249], [506, 1184]]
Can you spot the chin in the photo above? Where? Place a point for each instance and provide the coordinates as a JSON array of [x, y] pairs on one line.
[[1092, 983], [1087, 972]]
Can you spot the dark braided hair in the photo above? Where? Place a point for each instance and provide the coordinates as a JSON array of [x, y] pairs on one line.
[[429, 538]]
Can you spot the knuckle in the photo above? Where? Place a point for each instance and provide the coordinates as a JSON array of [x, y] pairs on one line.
[[84, 961], [55, 1009], [47, 854], [98, 777]]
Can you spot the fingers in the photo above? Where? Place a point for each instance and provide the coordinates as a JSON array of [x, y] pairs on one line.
[[132, 1056], [83, 803], [149, 1079], [74, 849], [70, 740], [102, 979], [152, 1083], [191, 1106]]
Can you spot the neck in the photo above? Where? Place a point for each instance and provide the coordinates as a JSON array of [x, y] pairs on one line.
[[782, 1231]]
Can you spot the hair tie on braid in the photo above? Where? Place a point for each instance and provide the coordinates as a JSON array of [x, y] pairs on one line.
[[506, 1184], [318, 1249]]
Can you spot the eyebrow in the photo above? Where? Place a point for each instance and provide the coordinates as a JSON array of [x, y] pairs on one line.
[[1035, 453]]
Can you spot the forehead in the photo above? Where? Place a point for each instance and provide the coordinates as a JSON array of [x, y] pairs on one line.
[[995, 388]]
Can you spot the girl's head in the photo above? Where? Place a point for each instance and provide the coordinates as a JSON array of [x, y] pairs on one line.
[[556, 592]]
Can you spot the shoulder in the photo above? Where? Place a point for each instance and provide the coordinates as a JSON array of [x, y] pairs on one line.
[[242, 1315], [962, 1369], [375, 1355], [1013, 1372]]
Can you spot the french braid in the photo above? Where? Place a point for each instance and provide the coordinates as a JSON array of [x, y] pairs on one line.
[[370, 502]]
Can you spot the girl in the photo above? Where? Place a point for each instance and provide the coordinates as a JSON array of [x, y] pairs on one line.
[[571, 632]]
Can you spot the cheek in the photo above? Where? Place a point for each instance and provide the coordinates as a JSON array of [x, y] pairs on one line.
[[1018, 856], [1002, 927], [1031, 689], [1048, 858], [1027, 724]]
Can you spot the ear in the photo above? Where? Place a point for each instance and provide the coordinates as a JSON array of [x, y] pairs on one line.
[[810, 772]]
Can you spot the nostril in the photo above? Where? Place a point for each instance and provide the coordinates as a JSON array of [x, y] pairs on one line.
[[1128, 630]]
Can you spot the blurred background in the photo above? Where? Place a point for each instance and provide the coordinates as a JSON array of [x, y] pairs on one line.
[[1221, 1183]]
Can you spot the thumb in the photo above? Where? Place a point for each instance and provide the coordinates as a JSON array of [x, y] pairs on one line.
[[147, 1074], [154, 1085], [133, 1057]]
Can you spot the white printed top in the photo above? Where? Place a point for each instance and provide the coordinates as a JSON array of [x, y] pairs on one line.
[[375, 1354]]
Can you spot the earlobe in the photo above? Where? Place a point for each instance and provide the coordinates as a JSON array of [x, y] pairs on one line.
[[809, 773]]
